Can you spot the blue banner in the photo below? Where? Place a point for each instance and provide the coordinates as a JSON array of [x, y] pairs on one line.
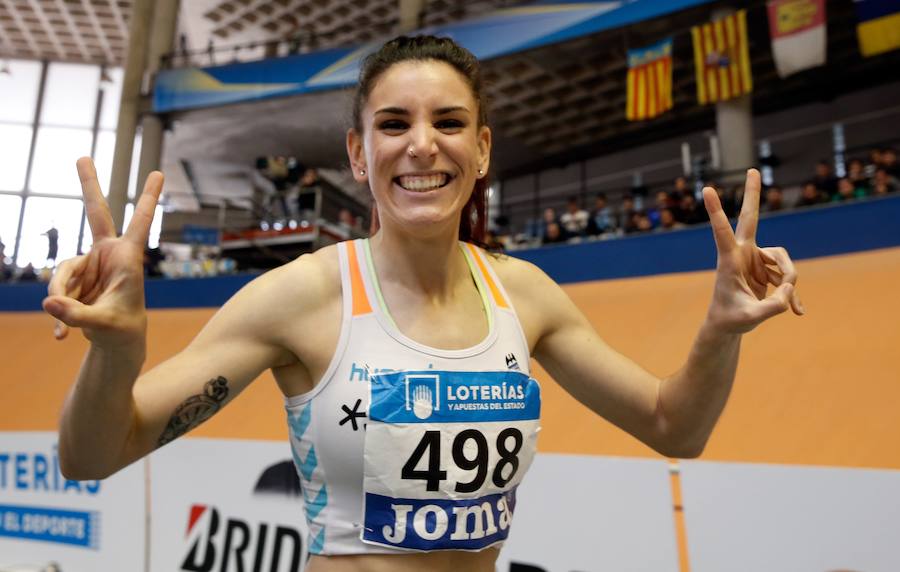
[[431, 396], [76, 528], [439, 524], [493, 35]]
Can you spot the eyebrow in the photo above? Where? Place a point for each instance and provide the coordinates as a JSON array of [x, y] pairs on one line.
[[439, 111]]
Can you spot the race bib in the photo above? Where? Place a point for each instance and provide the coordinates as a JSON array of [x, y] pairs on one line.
[[444, 453]]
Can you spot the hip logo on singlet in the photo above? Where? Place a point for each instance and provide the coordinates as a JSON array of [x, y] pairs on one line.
[[444, 453]]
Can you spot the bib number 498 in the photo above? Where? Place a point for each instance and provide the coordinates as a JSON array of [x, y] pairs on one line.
[[433, 474]]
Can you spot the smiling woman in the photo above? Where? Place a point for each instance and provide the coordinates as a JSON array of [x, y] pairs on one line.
[[457, 114], [416, 330]]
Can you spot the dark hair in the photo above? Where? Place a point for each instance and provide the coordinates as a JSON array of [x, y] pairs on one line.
[[473, 223]]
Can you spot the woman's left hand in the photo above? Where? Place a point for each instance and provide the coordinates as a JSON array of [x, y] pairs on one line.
[[744, 270]]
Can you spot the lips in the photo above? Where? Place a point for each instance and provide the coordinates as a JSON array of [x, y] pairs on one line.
[[423, 182]]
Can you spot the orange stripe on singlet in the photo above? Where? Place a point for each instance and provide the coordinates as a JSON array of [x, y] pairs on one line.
[[492, 286], [360, 298]]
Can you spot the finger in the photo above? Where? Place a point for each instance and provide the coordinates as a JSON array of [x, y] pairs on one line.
[[139, 227], [775, 303], [721, 228], [746, 228], [63, 281], [95, 206], [73, 313], [59, 283], [780, 257]]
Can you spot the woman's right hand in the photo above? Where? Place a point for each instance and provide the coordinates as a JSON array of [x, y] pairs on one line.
[[102, 292]]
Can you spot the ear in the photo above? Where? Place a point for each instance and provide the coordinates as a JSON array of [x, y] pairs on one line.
[[357, 155], [484, 149]]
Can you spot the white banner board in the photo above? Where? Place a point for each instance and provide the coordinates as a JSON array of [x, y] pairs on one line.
[[748, 517], [83, 526], [585, 513], [221, 505]]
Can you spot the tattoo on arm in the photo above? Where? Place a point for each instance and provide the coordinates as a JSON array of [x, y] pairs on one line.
[[195, 410]]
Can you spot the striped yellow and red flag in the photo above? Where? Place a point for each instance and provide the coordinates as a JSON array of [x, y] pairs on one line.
[[649, 81], [722, 58]]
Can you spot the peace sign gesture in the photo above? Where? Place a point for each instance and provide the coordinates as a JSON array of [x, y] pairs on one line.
[[744, 270], [102, 292]]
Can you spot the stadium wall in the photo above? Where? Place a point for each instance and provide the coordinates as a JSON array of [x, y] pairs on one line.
[[800, 473]]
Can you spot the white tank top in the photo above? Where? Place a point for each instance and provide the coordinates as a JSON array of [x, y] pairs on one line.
[[402, 446]]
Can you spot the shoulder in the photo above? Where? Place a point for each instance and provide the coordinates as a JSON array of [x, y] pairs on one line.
[[533, 294], [518, 276]]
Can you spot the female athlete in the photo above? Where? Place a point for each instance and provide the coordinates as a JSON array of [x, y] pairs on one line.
[[429, 334]]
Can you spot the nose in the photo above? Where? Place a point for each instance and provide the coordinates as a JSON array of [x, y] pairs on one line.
[[423, 143]]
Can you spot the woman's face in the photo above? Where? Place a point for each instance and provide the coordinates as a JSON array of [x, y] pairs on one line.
[[421, 146]]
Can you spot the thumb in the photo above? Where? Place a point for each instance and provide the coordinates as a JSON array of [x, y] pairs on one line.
[[777, 302], [70, 312]]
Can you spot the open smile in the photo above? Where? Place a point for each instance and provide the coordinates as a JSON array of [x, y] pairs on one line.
[[423, 182]]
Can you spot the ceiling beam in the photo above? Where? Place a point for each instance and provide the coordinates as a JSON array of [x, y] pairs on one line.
[[117, 15], [73, 29], [29, 39], [8, 48], [48, 29], [101, 35]]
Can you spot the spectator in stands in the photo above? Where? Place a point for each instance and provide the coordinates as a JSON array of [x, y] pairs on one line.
[[875, 162], [547, 218], [553, 234], [690, 211], [725, 198], [6, 269], [602, 219], [856, 175], [662, 202], [883, 183], [642, 222], [152, 258], [774, 200], [575, 220], [626, 214], [847, 192], [52, 245], [811, 195], [681, 188], [28, 274], [889, 162], [667, 220], [825, 180]]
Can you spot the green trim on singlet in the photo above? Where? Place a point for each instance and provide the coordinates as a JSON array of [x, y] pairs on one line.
[[375, 285], [482, 288], [476, 277]]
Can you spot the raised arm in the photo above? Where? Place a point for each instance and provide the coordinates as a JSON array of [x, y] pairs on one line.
[[675, 415], [110, 417]]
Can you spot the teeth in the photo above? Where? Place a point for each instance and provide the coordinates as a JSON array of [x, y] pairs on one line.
[[422, 183]]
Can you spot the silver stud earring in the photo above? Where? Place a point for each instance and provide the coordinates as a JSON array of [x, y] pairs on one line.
[[480, 172], [362, 172]]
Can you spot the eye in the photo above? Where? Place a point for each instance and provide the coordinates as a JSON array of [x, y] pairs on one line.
[[450, 124], [392, 125]]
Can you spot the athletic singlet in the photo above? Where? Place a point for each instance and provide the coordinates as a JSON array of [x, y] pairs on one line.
[[402, 446]]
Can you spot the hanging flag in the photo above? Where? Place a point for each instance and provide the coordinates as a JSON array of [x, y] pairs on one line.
[[797, 28], [722, 58], [649, 81], [878, 30]]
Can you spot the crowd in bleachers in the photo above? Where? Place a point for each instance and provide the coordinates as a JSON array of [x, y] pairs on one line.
[[681, 205]]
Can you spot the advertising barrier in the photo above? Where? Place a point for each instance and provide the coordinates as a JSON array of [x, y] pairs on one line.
[[87, 525]]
